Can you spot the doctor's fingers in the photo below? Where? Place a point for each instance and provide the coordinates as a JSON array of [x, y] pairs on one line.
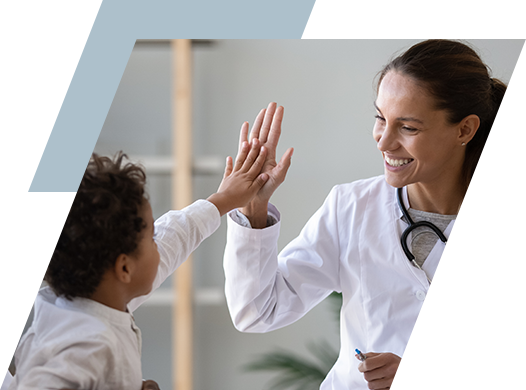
[[258, 122], [271, 137], [383, 376], [370, 363], [280, 171], [260, 130], [382, 384], [276, 176], [378, 375], [378, 360]]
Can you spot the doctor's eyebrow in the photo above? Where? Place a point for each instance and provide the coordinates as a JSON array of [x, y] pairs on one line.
[[402, 118]]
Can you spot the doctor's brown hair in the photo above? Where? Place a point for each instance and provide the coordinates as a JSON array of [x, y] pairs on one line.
[[460, 83], [104, 222]]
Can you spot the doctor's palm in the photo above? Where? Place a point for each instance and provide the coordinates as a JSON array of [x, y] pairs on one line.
[[277, 174], [267, 128]]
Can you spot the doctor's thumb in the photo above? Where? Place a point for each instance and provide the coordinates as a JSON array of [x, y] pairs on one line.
[[369, 363], [261, 180]]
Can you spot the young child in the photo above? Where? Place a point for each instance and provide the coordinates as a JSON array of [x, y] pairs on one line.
[[109, 253]]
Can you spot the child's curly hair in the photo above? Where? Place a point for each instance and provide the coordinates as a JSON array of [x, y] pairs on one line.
[[103, 223]]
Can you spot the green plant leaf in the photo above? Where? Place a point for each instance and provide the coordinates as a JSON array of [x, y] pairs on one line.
[[325, 354], [294, 372], [335, 300]]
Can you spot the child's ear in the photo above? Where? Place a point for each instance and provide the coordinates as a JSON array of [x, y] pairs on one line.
[[124, 267]]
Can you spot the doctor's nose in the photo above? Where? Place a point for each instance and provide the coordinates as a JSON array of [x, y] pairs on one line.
[[386, 139]]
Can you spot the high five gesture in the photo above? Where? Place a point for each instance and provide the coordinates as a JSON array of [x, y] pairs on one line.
[[266, 129]]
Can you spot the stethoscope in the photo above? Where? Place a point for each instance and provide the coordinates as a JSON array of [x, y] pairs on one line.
[[412, 226]]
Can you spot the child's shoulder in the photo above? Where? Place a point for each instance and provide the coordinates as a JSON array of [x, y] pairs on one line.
[[82, 337], [59, 337], [58, 321]]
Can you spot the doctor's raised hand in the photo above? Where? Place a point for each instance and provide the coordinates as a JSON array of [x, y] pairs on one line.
[[267, 130], [242, 179]]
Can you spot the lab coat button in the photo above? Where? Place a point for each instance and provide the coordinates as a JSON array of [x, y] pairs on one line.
[[420, 295]]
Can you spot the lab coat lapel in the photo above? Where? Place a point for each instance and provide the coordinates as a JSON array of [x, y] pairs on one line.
[[432, 260]]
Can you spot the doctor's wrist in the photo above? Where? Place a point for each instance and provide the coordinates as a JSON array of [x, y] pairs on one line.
[[256, 214]]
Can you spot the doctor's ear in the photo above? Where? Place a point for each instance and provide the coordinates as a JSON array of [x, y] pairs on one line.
[[468, 128], [123, 268]]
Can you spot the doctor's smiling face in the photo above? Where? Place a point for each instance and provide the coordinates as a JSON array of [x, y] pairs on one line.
[[418, 143]]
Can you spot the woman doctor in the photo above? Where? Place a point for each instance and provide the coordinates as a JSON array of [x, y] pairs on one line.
[[435, 107]]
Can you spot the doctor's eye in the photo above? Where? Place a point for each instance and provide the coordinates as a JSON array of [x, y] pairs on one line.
[[409, 129], [379, 118]]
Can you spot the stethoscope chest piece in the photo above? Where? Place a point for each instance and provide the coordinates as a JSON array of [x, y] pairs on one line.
[[412, 226]]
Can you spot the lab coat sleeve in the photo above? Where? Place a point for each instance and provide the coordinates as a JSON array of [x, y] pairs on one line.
[[265, 291], [177, 234]]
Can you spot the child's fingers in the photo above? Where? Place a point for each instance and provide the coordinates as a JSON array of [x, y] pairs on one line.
[[251, 157], [241, 156], [243, 134], [228, 166], [255, 169]]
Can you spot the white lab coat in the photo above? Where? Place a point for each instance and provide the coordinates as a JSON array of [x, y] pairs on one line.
[[350, 245], [7, 381]]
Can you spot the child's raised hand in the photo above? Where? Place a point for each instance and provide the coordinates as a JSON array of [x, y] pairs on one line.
[[241, 180]]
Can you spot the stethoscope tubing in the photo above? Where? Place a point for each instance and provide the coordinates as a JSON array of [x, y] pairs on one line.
[[412, 226]]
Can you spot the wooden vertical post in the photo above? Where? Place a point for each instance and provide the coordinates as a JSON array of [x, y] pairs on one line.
[[182, 337]]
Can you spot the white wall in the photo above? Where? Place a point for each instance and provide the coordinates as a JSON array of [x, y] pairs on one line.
[[327, 90]]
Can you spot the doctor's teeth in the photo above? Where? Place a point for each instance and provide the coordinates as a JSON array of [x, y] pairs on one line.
[[397, 163]]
